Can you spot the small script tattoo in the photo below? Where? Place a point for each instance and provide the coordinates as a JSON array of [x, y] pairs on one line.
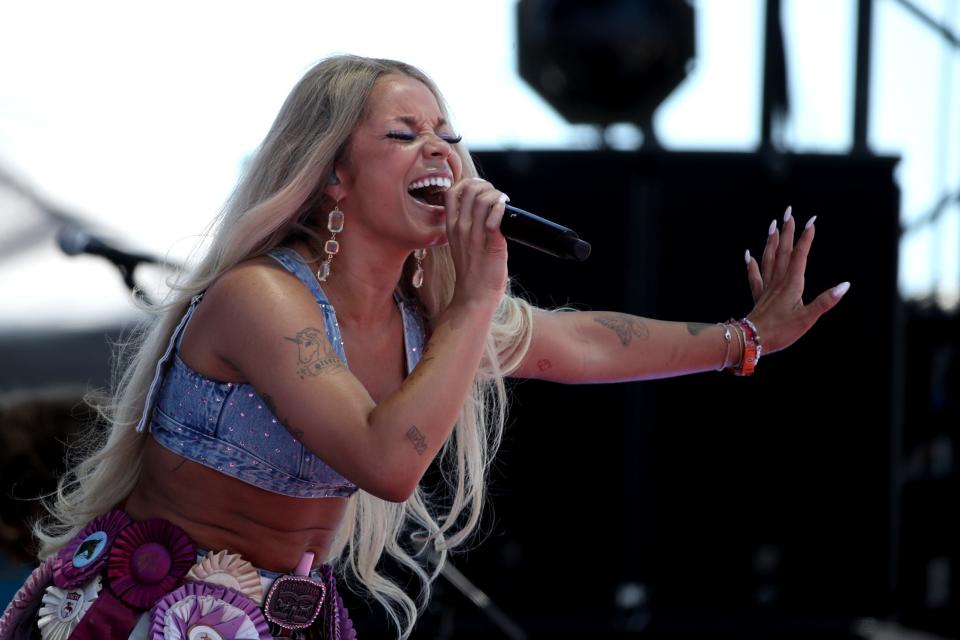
[[293, 431], [543, 364], [417, 439], [694, 328], [624, 325], [315, 354]]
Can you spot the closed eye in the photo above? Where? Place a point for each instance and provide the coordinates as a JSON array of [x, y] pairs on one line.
[[407, 136]]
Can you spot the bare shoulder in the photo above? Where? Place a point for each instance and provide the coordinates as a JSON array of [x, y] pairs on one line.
[[254, 298], [252, 282]]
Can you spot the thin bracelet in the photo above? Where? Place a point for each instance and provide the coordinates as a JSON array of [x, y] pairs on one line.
[[726, 339], [740, 344]]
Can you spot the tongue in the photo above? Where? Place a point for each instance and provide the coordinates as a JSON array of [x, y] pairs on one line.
[[430, 195]]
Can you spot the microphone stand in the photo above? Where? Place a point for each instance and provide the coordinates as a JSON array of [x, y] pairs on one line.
[[483, 602], [126, 272], [473, 593], [126, 265], [74, 240]]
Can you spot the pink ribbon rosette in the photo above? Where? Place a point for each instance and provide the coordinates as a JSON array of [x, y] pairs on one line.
[[84, 556], [228, 570], [148, 560], [204, 611]]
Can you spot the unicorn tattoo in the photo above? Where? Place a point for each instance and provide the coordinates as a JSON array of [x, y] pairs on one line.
[[315, 353]]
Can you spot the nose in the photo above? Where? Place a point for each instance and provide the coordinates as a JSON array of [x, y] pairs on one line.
[[436, 147]]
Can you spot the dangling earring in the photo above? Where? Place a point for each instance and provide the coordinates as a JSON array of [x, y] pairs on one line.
[[331, 246], [417, 279]]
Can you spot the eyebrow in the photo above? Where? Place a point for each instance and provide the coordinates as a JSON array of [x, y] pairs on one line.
[[413, 122]]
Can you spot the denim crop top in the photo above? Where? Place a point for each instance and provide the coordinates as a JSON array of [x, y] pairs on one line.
[[228, 427]]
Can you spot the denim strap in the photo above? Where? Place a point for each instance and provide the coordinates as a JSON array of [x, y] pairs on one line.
[[414, 329], [292, 262], [164, 360]]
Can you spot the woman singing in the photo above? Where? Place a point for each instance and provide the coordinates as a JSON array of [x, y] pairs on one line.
[[351, 323]]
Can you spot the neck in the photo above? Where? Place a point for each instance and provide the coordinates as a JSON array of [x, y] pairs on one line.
[[362, 280]]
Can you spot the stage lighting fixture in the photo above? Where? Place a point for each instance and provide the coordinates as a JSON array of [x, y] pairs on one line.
[[605, 61]]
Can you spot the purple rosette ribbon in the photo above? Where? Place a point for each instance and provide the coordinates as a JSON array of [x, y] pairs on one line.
[[19, 618], [84, 556], [337, 622], [148, 560], [204, 610], [109, 617]]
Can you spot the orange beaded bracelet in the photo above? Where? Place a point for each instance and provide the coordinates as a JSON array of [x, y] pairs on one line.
[[752, 349]]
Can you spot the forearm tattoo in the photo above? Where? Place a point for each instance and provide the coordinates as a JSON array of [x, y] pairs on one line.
[[293, 431], [315, 354], [418, 370], [415, 374], [694, 328], [417, 439], [624, 325]]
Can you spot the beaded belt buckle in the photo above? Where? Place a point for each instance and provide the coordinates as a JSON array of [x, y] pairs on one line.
[[294, 602]]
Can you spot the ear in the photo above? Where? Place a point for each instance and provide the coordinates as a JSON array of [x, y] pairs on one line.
[[335, 189]]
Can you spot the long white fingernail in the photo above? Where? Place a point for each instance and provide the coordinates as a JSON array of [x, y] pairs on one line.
[[788, 214], [773, 227], [504, 198], [746, 256], [838, 291], [809, 222]]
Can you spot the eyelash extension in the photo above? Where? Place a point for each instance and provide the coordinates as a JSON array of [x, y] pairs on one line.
[[410, 137]]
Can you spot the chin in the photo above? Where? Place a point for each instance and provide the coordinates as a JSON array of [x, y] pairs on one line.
[[438, 240], [432, 235]]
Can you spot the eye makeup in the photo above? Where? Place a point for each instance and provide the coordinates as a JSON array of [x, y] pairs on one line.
[[409, 136]]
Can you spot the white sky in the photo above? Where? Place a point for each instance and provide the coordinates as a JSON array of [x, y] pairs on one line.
[[138, 116]]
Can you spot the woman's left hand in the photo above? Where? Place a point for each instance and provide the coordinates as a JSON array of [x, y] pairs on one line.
[[777, 287]]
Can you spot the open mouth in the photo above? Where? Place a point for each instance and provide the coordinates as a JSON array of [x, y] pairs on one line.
[[429, 190]]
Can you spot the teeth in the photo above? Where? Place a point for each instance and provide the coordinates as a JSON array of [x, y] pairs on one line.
[[435, 181]]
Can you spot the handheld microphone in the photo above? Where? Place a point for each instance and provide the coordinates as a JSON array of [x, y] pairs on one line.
[[541, 234], [74, 241]]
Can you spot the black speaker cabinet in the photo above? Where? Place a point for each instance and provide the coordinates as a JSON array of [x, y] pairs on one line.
[[708, 502]]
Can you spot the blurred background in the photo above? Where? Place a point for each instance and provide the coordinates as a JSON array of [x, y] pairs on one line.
[[816, 499]]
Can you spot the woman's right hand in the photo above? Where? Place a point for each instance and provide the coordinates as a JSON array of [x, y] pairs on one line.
[[474, 209]]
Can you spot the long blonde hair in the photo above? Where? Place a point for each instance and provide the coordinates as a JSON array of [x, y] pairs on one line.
[[273, 201]]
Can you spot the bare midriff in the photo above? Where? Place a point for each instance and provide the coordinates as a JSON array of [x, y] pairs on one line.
[[270, 530], [217, 511]]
